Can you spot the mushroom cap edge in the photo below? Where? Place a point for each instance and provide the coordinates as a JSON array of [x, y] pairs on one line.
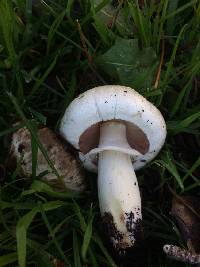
[[113, 102]]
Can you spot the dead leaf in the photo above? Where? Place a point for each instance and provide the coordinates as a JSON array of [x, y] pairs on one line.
[[186, 210]]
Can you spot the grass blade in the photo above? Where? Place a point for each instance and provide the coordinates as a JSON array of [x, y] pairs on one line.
[[41, 187], [170, 64], [92, 258], [104, 250], [53, 29], [87, 239], [172, 169], [44, 76], [192, 169], [8, 259], [21, 229], [22, 226], [80, 216], [77, 260], [183, 125], [34, 152], [7, 26], [57, 245], [181, 9]]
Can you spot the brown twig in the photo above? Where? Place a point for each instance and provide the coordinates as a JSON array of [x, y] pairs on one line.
[[114, 18], [87, 53], [83, 38], [160, 65]]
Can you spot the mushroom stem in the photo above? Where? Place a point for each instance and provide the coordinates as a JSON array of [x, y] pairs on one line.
[[119, 196]]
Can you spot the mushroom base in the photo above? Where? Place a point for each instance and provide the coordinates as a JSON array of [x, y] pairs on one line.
[[116, 238]]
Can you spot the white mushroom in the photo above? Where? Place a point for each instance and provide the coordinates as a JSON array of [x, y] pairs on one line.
[[70, 171], [116, 131]]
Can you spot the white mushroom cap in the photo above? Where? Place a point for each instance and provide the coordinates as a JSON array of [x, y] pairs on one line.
[[145, 126]]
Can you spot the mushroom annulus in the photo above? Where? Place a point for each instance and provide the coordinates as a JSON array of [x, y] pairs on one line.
[[116, 131]]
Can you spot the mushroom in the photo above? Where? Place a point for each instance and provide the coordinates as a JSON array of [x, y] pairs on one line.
[[68, 167], [116, 131]]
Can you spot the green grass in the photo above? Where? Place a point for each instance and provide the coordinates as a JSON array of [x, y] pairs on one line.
[[50, 51]]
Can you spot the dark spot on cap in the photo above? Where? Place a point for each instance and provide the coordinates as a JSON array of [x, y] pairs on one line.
[[142, 110], [151, 123], [143, 160], [135, 183], [115, 95], [21, 147], [125, 91]]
